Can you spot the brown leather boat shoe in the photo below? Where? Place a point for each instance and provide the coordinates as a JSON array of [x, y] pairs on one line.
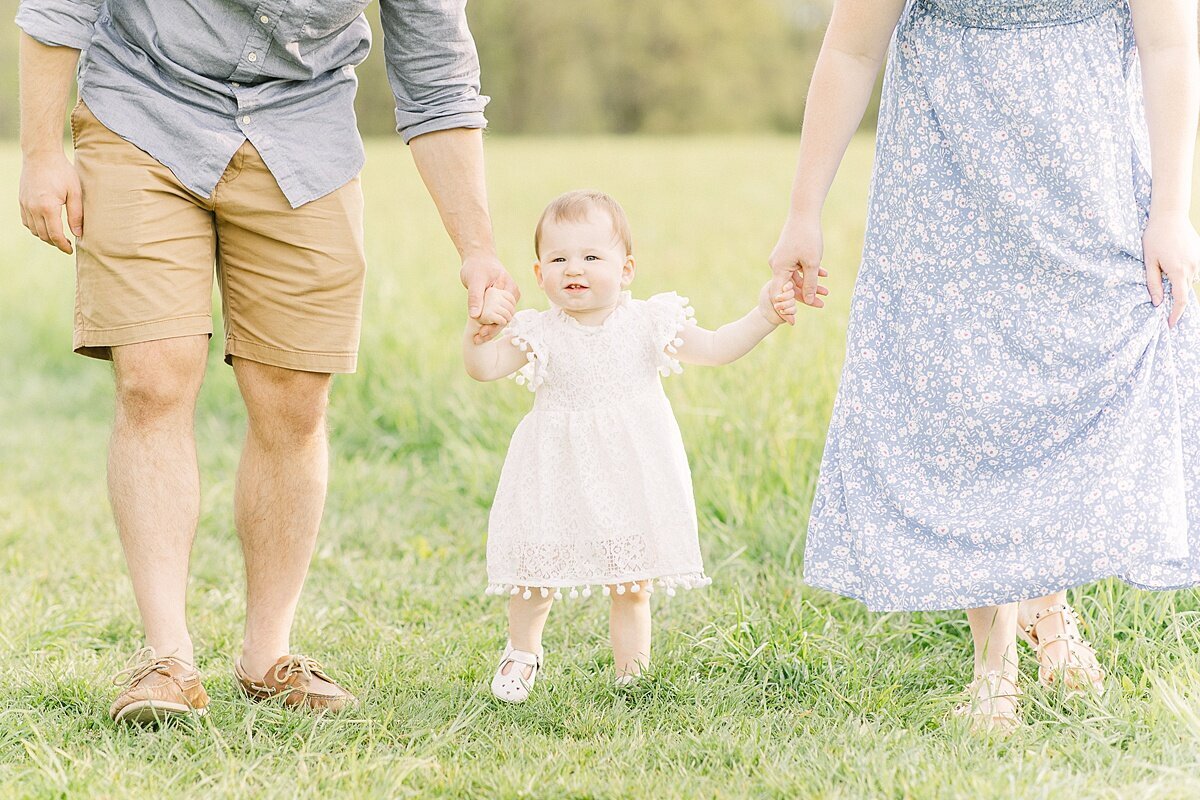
[[299, 682], [156, 689]]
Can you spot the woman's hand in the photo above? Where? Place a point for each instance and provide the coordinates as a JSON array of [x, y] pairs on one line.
[[1172, 248], [797, 259]]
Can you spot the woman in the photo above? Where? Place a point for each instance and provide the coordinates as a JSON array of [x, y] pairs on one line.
[[1019, 410]]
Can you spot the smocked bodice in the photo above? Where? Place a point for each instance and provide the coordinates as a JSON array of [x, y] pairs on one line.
[[1017, 13]]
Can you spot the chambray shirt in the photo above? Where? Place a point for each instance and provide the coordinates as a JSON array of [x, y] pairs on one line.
[[189, 81]]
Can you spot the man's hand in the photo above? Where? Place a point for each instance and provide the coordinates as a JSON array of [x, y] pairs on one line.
[[479, 274], [49, 182]]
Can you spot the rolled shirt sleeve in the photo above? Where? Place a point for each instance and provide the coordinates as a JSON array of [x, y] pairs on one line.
[[432, 66], [59, 23]]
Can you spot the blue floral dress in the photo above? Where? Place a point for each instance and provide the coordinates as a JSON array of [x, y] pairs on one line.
[[1014, 415]]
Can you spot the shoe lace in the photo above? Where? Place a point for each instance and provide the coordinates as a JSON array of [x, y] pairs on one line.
[[141, 664], [304, 665]]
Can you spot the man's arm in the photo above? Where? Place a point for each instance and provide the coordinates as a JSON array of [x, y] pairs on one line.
[[433, 69], [451, 164], [48, 179]]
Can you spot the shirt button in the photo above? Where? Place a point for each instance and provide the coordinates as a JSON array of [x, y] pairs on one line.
[[252, 57], [235, 84], [264, 19], [246, 120]]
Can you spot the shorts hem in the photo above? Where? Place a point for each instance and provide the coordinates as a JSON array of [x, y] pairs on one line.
[[302, 361], [98, 342]]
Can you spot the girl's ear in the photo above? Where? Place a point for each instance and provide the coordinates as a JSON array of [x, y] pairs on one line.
[[537, 272], [627, 271]]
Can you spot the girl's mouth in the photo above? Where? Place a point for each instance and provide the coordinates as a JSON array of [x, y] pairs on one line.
[[575, 288]]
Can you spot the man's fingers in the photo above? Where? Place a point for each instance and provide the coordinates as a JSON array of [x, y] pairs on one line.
[[475, 297], [486, 333], [75, 209], [54, 229], [1154, 283]]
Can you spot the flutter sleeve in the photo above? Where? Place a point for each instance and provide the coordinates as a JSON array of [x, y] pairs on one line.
[[525, 332], [669, 315]]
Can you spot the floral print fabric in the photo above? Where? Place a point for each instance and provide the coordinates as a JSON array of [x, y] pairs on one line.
[[1014, 415]]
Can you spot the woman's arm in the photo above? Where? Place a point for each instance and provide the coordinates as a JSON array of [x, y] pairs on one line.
[[1166, 38], [853, 50], [732, 341]]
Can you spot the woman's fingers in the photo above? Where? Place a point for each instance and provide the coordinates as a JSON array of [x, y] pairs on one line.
[[1179, 300], [1154, 282]]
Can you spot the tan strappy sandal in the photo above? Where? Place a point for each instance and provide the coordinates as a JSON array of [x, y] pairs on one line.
[[996, 711], [1077, 674]]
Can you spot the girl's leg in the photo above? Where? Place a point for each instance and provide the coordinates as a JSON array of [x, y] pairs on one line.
[[526, 621], [629, 627], [994, 700]]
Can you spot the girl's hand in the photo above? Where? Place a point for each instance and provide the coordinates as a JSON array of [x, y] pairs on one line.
[[796, 260], [497, 311], [777, 308], [1171, 247]]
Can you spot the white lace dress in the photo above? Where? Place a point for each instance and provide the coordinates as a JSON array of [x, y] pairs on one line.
[[595, 490]]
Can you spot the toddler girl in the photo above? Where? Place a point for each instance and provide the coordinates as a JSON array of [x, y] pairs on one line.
[[595, 491]]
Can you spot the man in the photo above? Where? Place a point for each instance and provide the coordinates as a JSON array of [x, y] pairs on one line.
[[226, 127]]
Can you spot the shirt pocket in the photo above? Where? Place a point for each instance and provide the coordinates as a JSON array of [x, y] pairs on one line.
[[327, 17]]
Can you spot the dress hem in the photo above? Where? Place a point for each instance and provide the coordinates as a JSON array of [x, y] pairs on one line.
[[1012, 597], [687, 580]]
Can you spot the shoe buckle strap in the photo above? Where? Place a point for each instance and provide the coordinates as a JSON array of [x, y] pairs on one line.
[[523, 657]]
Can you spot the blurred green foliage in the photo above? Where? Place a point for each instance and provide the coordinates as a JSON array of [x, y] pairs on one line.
[[592, 66]]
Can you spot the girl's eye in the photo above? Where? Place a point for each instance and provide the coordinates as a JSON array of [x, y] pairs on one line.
[[592, 258], [558, 260]]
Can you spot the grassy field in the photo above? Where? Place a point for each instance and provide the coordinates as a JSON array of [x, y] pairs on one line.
[[762, 687]]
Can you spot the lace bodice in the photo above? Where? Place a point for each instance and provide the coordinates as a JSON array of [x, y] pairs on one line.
[[574, 367]]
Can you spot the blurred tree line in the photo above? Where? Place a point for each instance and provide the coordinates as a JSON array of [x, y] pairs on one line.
[[603, 66]]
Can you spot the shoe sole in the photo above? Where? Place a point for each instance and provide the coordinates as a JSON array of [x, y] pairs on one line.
[[147, 712]]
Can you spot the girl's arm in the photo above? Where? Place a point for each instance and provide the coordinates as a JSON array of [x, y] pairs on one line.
[[1166, 38], [732, 341], [488, 360], [853, 50], [494, 359]]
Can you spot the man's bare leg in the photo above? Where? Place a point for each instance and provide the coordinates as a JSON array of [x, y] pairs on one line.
[[154, 481], [279, 499]]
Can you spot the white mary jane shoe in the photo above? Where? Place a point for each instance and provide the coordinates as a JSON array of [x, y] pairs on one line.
[[514, 687]]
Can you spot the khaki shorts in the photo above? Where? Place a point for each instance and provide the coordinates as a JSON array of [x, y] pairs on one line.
[[291, 280]]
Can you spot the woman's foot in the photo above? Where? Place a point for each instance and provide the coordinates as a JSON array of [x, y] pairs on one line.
[[992, 704], [516, 674], [1054, 633]]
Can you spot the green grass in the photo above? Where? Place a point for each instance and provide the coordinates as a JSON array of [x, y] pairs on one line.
[[762, 687]]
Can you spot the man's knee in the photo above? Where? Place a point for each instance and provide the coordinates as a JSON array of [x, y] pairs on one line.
[[158, 381], [284, 406]]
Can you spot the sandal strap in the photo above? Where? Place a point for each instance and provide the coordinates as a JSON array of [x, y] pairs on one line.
[[1064, 609], [990, 678]]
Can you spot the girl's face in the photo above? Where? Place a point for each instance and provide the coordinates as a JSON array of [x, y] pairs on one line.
[[583, 266]]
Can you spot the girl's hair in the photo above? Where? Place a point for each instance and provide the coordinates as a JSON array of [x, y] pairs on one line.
[[574, 207]]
